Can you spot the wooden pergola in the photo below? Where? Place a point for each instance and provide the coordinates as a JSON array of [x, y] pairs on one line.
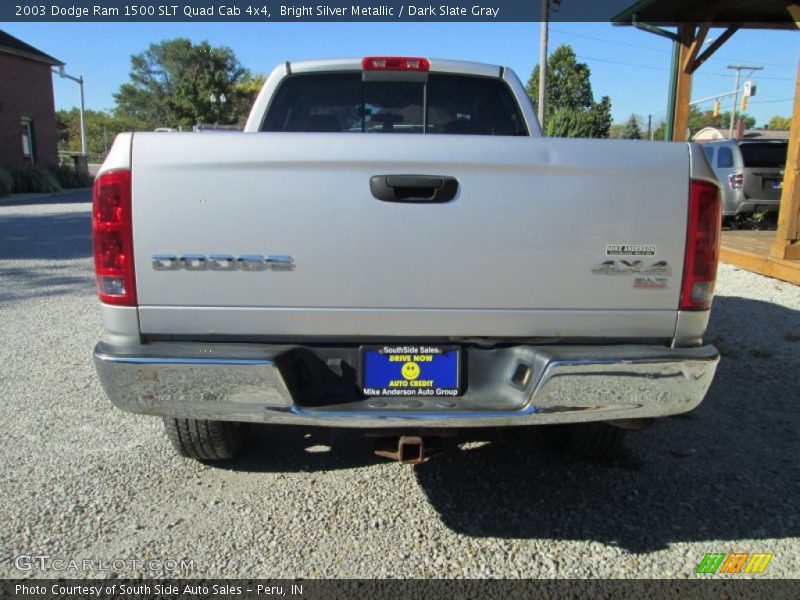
[[778, 254]]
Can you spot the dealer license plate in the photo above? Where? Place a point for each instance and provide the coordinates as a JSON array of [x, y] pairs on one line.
[[406, 370]]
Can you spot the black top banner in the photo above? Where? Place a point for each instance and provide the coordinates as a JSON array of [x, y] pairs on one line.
[[255, 11]]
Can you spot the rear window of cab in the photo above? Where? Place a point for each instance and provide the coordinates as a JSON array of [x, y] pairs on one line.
[[445, 103]]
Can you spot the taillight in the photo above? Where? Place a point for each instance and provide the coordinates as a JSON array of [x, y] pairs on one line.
[[395, 63], [736, 180], [702, 246], [112, 238]]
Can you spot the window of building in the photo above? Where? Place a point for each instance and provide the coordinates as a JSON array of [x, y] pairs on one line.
[[27, 141]]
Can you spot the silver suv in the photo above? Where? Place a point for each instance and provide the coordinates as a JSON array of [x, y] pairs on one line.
[[750, 173]]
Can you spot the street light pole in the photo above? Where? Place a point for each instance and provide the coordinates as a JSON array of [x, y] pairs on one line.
[[79, 81], [543, 63], [83, 119]]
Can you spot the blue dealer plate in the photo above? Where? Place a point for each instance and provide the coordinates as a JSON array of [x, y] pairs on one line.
[[409, 371]]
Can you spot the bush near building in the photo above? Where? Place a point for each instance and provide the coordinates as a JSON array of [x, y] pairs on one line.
[[38, 180]]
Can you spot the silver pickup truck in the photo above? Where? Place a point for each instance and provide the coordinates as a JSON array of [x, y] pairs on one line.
[[463, 272]]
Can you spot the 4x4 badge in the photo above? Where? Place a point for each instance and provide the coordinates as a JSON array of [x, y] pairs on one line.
[[624, 267]]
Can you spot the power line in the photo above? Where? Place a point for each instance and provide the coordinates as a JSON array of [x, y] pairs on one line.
[[652, 68], [617, 43], [770, 101], [714, 79], [616, 62], [765, 77], [660, 50]]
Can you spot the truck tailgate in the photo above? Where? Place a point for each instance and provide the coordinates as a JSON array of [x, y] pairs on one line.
[[518, 252]]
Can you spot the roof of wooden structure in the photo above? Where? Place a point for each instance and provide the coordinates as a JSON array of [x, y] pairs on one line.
[[749, 14]]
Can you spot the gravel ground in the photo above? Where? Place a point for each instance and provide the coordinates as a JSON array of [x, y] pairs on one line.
[[82, 480]]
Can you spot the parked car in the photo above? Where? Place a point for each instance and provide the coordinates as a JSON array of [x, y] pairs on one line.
[[750, 173], [393, 245]]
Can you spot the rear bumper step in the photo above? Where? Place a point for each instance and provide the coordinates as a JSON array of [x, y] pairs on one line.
[[515, 385]]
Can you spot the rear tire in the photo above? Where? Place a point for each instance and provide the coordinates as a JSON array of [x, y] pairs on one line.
[[205, 440], [596, 440]]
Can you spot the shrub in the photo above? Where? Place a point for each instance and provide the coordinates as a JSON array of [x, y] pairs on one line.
[[33, 180], [69, 177], [6, 182]]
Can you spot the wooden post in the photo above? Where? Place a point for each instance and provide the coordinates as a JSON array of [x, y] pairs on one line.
[[684, 84], [787, 238]]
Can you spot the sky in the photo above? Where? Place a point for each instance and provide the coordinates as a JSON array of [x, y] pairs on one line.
[[629, 65]]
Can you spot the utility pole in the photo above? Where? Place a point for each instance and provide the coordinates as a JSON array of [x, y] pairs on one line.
[[739, 69], [543, 62], [650, 127]]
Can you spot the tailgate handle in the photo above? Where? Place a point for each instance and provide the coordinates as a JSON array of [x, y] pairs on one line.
[[414, 188]]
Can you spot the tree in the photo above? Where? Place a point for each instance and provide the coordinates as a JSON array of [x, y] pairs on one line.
[[698, 120], [631, 131], [568, 122], [172, 82], [568, 88], [615, 131], [780, 123], [725, 120], [658, 131], [101, 129], [600, 118], [244, 94]]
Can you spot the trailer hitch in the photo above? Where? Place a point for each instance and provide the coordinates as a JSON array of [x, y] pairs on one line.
[[408, 449]]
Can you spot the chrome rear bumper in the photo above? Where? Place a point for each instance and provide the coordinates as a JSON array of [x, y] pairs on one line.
[[256, 383]]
